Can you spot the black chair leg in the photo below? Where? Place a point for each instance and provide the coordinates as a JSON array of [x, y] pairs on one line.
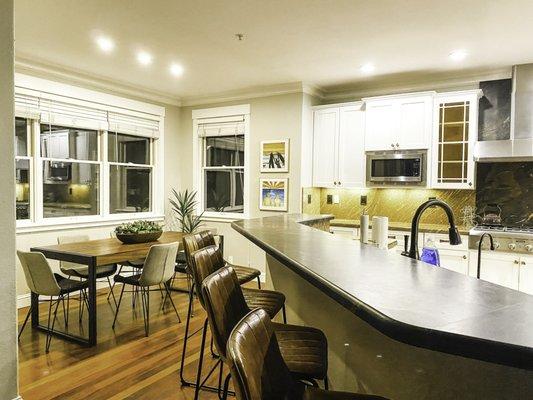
[[185, 339], [111, 291], [145, 299], [326, 383], [51, 329], [200, 362], [171, 301], [113, 286], [118, 305], [284, 312], [259, 281], [226, 387], [25, 321]]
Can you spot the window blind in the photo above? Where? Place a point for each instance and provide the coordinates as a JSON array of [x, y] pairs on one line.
[[221, 127], [27, 105], [138, 125], [62, 113]]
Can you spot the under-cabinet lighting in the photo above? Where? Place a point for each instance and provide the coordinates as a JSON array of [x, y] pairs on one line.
[[458, 55]]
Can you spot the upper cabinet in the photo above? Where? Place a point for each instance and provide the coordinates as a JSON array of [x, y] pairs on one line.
[[400, 122], [338, 146], [454, 136]]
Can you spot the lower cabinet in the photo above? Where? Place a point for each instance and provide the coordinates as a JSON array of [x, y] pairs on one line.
[[525, 282], [500, 268], [454, 260]]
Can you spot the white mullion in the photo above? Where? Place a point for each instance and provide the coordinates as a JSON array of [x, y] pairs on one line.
[[104, 175], [38, 211]]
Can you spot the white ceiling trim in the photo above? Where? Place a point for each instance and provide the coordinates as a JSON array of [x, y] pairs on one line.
[[90, 81], [444, 84]]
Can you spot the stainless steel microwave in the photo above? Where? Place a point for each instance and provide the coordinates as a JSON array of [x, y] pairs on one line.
[[396, 168]]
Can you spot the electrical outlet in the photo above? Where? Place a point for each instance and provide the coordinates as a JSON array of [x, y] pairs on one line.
[[308, 199], [329, 199], [336, 199], [363, 200], [432, 198]]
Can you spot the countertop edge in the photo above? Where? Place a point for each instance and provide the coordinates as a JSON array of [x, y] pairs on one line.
[[456, 344]]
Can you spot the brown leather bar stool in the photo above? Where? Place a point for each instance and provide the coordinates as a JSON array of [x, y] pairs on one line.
[[203, 263], [259, 371], [197, 241], [304, 350]]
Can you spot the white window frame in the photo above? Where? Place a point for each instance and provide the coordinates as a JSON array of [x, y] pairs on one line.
[[30, 158], [108, 102], [199, 116]]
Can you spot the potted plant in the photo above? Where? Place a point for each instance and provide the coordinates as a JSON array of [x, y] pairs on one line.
[[141, 231], [184, 205]]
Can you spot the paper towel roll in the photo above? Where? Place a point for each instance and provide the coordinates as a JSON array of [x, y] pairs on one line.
[[383, 234], [375, 229], [363, 227]]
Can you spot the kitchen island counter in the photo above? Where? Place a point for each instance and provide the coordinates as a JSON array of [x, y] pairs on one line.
[[406, 300]]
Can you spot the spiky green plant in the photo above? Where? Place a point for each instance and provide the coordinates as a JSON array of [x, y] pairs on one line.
[[184, 205]]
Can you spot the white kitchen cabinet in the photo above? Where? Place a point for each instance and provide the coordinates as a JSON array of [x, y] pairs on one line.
[[399, 122], [338, 147], [454, 137], [525, 283], [500, 268], [454, 260]]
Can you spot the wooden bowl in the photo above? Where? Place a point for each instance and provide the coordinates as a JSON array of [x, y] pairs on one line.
[[132, 238]]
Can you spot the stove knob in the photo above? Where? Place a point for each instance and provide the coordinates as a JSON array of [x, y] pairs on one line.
[[496, 245], [529, 247], [512, 246]]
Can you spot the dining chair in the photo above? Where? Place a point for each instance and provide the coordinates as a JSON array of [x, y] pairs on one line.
[[43, 282], [203, 263], [304, 349], [82, 271], [156, 272], [259, 371]]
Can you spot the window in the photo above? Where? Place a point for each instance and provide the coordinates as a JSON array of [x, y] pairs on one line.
[[221, 157], [23, 167], [71, 171], [130, 173]]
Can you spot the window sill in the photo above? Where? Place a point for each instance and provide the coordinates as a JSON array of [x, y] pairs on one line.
[[45, 226], [220, 217]]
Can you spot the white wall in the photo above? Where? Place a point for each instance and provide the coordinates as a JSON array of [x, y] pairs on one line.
[[8, 321]]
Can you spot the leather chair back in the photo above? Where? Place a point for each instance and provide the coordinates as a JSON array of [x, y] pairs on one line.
[[225, 305], [67, 266], [257, 367], [197, 241], [39, 276], [202, 264], [159, 265]]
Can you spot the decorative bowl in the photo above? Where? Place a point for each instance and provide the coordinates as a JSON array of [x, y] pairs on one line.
[[132, 238]]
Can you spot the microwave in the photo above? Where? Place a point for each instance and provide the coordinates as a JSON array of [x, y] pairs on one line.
[[57, 171], [396, 168]]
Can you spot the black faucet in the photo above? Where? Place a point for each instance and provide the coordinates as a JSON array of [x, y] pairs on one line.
[[479, 250], [455, 238]]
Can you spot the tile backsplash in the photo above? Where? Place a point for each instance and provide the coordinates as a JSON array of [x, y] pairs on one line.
[[397, 204]]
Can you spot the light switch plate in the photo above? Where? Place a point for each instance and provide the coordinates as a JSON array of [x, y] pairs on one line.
[[308, 199], [336, 199]]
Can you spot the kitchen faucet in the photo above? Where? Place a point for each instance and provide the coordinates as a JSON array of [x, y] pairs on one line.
[[479, 250], [454, 236]]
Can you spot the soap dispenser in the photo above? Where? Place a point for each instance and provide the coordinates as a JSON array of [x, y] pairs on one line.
[[430, 253]]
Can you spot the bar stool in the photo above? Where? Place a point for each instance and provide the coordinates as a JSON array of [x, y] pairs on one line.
[[203, 263], [259, 371], [304, 350], [43, 282]]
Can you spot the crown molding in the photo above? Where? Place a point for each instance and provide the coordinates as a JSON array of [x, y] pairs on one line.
[[42, 69], [251, 93], [468, 81]]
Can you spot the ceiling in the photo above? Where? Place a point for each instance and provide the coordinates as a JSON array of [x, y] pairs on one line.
[[320, 43]]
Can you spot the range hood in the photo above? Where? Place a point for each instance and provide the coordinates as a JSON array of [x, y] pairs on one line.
[[519, 147]]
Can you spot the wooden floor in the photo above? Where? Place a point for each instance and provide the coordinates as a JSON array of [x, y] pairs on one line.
[[124, 365]]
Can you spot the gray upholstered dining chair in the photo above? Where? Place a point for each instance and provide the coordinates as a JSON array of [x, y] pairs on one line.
[[43, 282], [82, 271], [158, 269]]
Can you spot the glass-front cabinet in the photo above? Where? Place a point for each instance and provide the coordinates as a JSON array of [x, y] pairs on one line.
[[455, 132]]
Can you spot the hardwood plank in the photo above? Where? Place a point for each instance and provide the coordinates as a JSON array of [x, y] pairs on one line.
[[124, 365]]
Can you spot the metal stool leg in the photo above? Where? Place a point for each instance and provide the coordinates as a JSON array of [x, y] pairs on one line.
[[118, 305], [25, 321]]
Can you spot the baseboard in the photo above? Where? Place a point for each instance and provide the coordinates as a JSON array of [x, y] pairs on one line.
[[23, 300]]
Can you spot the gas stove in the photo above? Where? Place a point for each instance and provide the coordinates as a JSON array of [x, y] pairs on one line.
[[506, 239]]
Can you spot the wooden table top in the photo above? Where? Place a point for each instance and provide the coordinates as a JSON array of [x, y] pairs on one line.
[[104, 251]]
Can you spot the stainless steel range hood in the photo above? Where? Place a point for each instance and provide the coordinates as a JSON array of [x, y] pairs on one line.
[[519, 147]]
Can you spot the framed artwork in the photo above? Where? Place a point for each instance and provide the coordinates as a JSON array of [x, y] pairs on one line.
[[273, 194], [275, 155]]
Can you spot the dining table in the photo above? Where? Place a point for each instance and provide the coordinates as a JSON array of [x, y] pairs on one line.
[[94, 253]]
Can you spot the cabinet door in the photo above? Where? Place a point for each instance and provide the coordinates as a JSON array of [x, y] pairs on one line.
[[454, 260], [454, 137], [414, 122], [326, 126], [525, 283], [502, 269], [351, 152], [379, 126]]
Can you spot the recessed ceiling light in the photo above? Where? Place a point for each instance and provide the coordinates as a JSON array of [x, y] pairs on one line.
[[144, 58], [368, 68], [176, 69], [106, 44], [458, 55]]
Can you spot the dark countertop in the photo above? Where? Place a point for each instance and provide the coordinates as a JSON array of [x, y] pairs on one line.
[[405, 299], [400, 226]]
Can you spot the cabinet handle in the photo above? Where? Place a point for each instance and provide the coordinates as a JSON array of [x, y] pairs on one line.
[[392, 145], [523, 262], [516, 262], [469, 183], [397, 144], [464, 257]]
